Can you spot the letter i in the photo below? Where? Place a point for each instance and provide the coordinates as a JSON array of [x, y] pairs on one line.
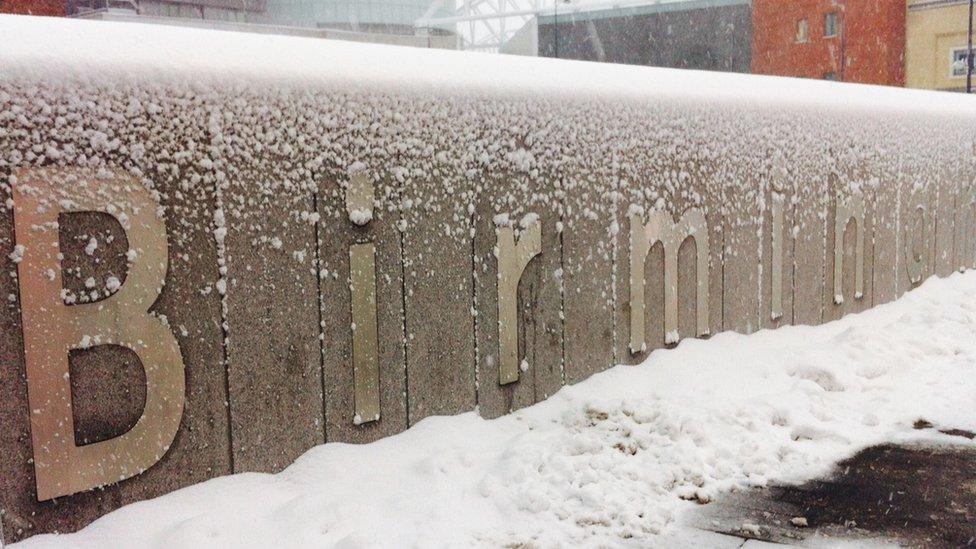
[[778, 202], [362, 289]]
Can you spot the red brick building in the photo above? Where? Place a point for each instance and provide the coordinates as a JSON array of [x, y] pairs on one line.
[[850, 40], [34, 7]]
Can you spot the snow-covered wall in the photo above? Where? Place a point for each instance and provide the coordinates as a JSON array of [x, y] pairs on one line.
[[254, 147]]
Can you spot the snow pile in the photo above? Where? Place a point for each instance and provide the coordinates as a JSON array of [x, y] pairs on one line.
[[614, 458]]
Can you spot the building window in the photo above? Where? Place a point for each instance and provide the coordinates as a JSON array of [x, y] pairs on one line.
[[802, 31], [958, 63], [830, 25]]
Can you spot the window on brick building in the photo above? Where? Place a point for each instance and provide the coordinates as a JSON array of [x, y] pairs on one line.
[[802, 31], [830, 25]]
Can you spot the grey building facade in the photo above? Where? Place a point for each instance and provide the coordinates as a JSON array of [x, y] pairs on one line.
[[394, 17], [240, 11], [692, 34]]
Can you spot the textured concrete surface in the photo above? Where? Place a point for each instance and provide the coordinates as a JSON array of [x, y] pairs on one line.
[[809, 244], [273, 351], [742, 228], [885, 244], [107, 382], [946, 203], [540, 305], [706, 195], [587, 267], [741, 269], [777, 179], [439, 291]]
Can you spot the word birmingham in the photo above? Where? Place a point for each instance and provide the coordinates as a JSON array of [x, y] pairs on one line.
[[53, 328]]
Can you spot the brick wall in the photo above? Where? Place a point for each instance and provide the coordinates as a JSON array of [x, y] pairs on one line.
[[54, 8], [870, 37]]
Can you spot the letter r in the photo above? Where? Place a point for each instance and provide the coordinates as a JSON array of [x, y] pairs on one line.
[[52, 329]]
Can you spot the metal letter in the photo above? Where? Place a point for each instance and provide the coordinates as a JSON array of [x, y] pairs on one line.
[[661, 228], [776, 307], [844, 211], [362, 287], [52, 329], [512, 260], [359, 198], [968, 228], [366, 370], [915, 264]]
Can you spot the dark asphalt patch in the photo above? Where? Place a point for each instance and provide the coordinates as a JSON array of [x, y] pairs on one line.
[[919, 495]]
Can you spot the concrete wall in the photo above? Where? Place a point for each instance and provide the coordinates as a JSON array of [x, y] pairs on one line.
[[252, 182]]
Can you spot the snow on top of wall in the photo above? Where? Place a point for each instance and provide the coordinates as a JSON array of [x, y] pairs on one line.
[[50, 46]]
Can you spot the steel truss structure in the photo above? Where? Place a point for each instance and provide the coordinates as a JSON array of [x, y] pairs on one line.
[[485, 25]]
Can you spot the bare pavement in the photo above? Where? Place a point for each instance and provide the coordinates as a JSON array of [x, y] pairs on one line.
[[912, 495]]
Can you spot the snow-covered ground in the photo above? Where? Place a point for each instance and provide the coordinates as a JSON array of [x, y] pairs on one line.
[[613, 460]]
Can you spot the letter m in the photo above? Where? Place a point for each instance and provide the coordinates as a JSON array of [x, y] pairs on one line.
[[659, 227]]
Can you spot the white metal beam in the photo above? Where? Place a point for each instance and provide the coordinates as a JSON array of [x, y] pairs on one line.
[[485, 25]]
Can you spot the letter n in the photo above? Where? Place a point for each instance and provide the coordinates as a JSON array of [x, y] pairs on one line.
[[52, 328]]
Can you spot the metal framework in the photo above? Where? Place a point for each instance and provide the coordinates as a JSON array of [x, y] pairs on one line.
[[485, 25]]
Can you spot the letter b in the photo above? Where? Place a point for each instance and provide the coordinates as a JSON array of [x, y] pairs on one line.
[[52, 328]]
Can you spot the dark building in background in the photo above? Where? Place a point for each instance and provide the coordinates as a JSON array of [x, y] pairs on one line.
[[850, 40], [693, 34], [216, 10]]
